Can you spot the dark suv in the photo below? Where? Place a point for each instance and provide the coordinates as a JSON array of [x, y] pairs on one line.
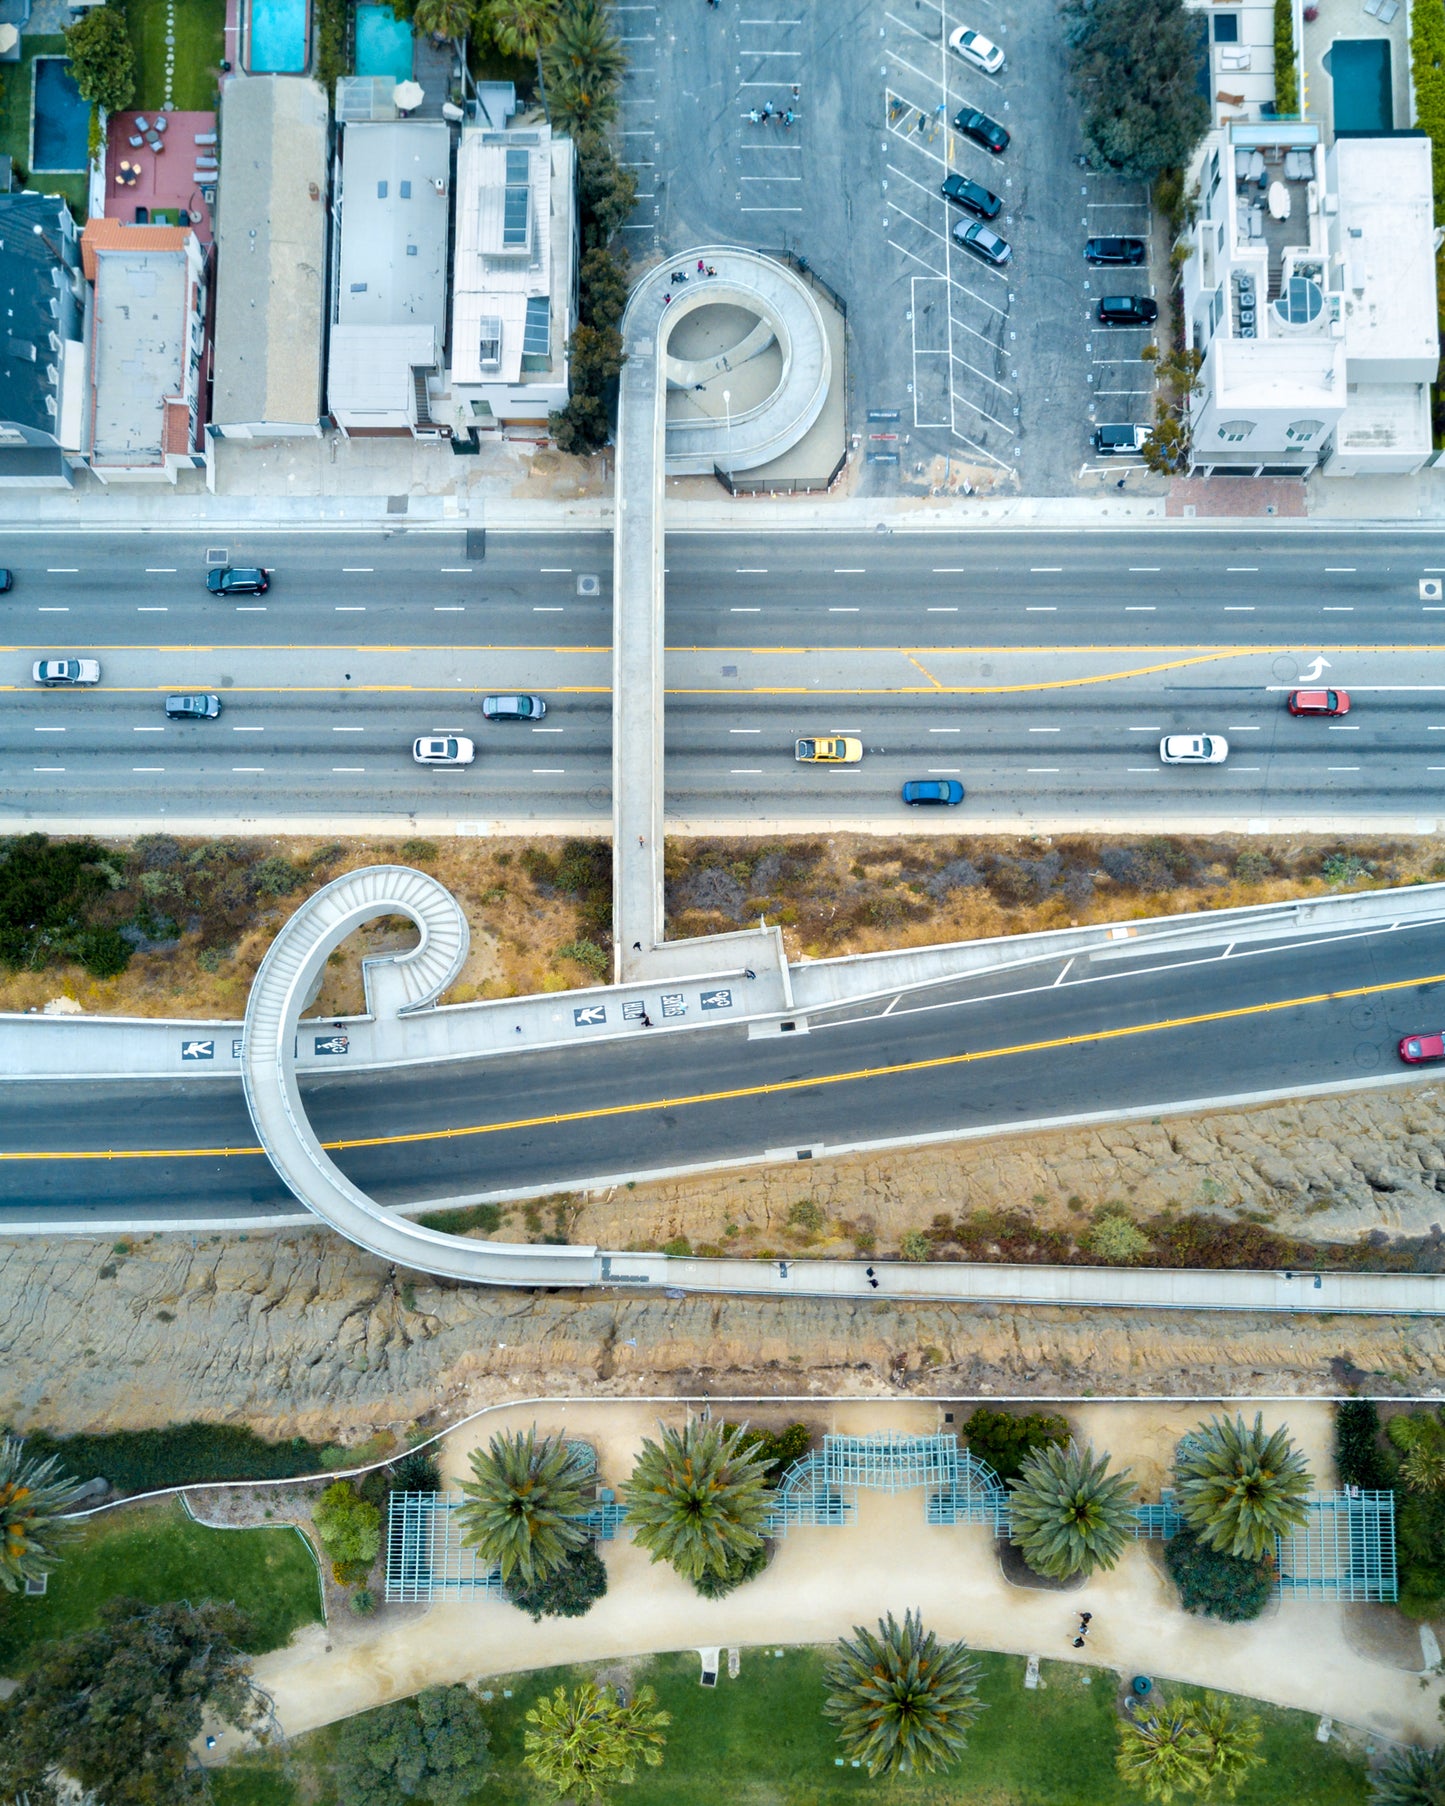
[[1115, 250], [238, 580], [983, 130], [972, 196], [1128, 310]]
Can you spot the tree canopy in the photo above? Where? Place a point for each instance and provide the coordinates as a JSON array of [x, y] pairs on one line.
[[568, 1591], [117, 1706], [431, 1747], [1134, 66], [698, 1498], [102, 59], [1068, 1513], [585, 1740], [903, 1700], [526, 1501], [1214, 1583], [1238, 1487], [33, 1493]]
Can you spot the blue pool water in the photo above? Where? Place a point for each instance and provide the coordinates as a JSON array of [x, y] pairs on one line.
[[280, 33], [60, 119], [1360, 77], [383, 43]]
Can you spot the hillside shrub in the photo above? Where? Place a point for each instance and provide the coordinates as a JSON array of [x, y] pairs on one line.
[[350, 1530], [1360, 1458], [1004, 1438], [181, 1454], [1215, 1585]]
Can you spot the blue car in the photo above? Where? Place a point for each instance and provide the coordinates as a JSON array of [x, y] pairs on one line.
[[933, 790]]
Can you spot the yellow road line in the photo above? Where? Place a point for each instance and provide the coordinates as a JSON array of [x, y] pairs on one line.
[[1095, 1037]]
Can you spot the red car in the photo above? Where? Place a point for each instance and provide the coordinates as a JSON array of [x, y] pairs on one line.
[[1319, 702], [1419, 1050]]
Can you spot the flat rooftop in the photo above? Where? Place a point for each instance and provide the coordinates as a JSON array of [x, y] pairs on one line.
[[395, 212], [1386, 235], [139, 351]]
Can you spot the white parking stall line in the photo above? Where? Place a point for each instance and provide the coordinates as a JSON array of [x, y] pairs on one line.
[[983, 376], [922, 187], [991, 418], [913, 220], [932, 269], [770, 209], [1002, 312], [982, 337], [982, 451]]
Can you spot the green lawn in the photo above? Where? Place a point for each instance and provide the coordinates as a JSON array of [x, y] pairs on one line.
[[200, 37], [766, 1733], [156, 1553], [15, 90]]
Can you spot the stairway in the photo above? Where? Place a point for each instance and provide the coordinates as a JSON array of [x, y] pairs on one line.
[[424, 421]]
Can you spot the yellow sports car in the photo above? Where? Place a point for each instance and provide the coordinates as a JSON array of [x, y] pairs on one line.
[[838, 749]]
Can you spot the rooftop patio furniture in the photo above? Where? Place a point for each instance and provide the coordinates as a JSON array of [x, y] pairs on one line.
[[156, 144], [142, 125], [162, 123], [205, 138], [136, 142], [1388, 9]]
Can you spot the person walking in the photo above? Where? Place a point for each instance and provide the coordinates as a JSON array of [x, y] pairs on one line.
[[788, 120], [701, 267]]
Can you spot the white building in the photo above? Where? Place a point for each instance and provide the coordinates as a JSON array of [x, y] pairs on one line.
[[514, 280], [1310, 289], [389, 303]]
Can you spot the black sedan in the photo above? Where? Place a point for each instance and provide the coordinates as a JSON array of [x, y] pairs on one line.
[[973, 197], [1115, 250], [983, 130], [238, 580]]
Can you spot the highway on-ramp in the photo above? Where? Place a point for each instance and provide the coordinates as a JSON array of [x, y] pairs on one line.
[[1122, 1031]]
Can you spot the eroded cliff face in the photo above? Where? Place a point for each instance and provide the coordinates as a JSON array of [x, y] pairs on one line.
[[297, 1333]]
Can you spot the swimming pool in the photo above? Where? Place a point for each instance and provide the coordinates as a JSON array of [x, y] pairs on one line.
[[279, 39], [383, 43], [1360, 80], [59, 118]]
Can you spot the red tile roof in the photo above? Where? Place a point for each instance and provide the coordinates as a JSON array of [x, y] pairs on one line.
[[115, 235]]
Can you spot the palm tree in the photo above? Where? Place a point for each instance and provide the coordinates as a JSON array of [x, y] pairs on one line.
[[1231, 1741], [443, 19], [33, 1494], [904, 1702], [587, 1740], [575, 105], [698, 1498], [584, 64], [1411, 1778], [1238, 1488], [527, 1499], [1423, 1469], [1067, 1512], [1163, 1754], [520, 28]]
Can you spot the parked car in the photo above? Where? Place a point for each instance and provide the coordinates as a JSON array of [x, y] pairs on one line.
[[443, 749], [983, 130], [971, 195], [1128, 310], [1113, 441], [1193, 749], [192, 708], [238, 580], [975, 48], [836, 749], [1116, 250], [51, 671], [933, 790], [1420, 1050], [982, 241], [513, 708], [1319, 702], [7, 579]]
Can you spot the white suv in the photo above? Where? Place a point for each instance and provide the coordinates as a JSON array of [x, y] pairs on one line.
[[1193, 749]]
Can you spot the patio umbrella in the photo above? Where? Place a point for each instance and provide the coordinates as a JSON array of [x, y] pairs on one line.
[[409, 96], [9, 38]]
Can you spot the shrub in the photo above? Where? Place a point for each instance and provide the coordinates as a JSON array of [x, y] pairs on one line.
[[1004, 1438], [363, 1602], [348, 1573], [349, 1527], [589, 956], [779, 1448], [275, 876], [177, 1455], [806, 1215], [1116, 1238], [103, 952], [915, 1246], [432, 1746], [717, 1583], [1131, 65], [1427, 58], [1286, 77], [1359, 1459], [1215, 1585], [416, 1471], [679, 1247], [419, 852], [1345, 868], [569, 1591], [486, 1217]]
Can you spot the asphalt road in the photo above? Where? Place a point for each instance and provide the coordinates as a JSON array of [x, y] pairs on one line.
[[1103, 1034], [944, 652]]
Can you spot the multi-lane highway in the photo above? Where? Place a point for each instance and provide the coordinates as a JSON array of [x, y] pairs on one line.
[[1116, 1031], [1041, 668]]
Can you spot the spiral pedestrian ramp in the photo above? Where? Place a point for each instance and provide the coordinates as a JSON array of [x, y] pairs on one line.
[[398, 983]]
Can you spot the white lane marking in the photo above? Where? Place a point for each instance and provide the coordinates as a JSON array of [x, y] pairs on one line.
[[1239, 608], [562, 730], [1064, 974], [456, 570], [152, 608], [1045, 570], [1143, 768], [548, 611], [555, 570], [63, 570], [47, 768], [1339, 570], [547, 771], [250, 608], [843, 611], [1342, 768], [335, 730], [1241, 567], [1338, 608], [348, 768], [1244, 768], [1138, 608], [849, 570], [50, 730], [751, 570], [147, 767], [54, 610], [745, 730], [449, 608], [1141, 569], [1040, 609], [261, 730], [248, 768], [160, 570], [351, 608], [357, 570], [1335, 728], [1046, 730], [932, 730], [953, 610], [1042, 768], [944, 771], [1146, 730], [1235, 728], [950, 570], [746, 771], [147, 730], [745, 611]]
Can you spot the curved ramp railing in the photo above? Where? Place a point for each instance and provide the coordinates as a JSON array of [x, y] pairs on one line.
[[399, 982]]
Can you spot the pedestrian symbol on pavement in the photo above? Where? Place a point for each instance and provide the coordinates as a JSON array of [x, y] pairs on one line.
[[590, 1015], [633, 1010], [673, 1005], [721, 999], [236, 1045], [198, 1050], [332, 1044]]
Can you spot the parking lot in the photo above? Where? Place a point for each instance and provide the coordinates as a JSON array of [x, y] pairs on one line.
[[958, 370]]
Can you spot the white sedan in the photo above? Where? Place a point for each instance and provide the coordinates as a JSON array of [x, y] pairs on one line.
[[443, 749], [975, 48], [1193, 749], [66, 671]]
